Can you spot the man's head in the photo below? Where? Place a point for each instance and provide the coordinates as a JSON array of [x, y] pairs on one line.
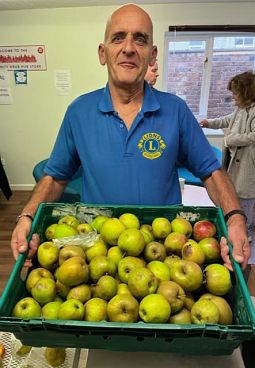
[[128, 46], [152, 74]]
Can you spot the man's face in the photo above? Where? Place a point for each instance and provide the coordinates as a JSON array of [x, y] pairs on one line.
[[152, 74], [127, 49]]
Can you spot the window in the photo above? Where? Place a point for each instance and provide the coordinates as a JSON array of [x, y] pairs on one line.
[[198, 66]]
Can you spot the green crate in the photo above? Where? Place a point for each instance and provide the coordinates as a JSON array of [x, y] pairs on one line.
[[212, 339]]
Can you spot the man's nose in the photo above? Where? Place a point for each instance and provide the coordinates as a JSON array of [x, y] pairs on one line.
[[129, 46]]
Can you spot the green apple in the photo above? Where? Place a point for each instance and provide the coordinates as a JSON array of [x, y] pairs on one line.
[[187, 274], [123, 289], [131, 242], [55, 356], [50, 310], [105, 288], [204, 311], [203, 229], [181, 317], [161, 227], [154, 251], [101, 265], [191, 251], [115, 254], [123, 308], [181, 225], [71, 309], [64, 230], [44, 291], [73, 271], [27, 308], [160, 270], [226, 314], [61, 289], [70, 251], [47, 255], [98, 221], [189, 300], [141, 282], [147, 233], [99, 248], [211, 249], [218, 279], [169, 260], [130, 221], [69, 220], [174, 243], [111, 230], [96, 310], [36, 274], [50, 230], [84, 228], [154, 308], [81, 292], [126, 265], [173, 293]]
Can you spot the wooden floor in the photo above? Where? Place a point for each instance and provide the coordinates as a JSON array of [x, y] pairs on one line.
[[9, 209]]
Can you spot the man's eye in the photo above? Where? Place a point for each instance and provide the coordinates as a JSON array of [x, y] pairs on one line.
[[117, 39], [140, 40]]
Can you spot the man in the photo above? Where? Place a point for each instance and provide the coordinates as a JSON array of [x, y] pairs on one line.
[[152, 74], [128, 137]]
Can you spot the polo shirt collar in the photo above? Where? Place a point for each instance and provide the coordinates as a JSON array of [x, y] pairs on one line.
[[150, 102]]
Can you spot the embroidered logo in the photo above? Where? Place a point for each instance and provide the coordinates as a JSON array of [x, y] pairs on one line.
[[151, 145]]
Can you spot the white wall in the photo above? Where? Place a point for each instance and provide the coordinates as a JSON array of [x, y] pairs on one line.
[[29, 126]]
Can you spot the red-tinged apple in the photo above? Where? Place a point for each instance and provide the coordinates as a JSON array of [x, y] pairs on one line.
[[27, 308], [96, 310], [204, 311], [191, 251], [69, 220], [47, 255], [160, 270], [111, 230], [98, 221], [187, 274], [105, 288], [181, 318], [211, 249], [154, 251], [71, 309], [226, 315], [174, 243], [131, 242], [126, 265], [130, 221], [218, 279], [70, 251], [44, 291], [51, 309], [203, 229], [81, 292], [181, 225], [141, 282], [73, 271], [64, 230], [161, 227], [123, 308], [36, 274], [173, 293], [154, 308], [101, 265]]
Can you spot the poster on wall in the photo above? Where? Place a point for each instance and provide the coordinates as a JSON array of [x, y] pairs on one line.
[[5, 91], [31, 57], [20, 77]]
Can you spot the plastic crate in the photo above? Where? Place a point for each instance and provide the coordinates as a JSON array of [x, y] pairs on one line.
[[212, 339]]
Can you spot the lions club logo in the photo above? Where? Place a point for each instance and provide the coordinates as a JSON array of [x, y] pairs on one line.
[[151, 145]]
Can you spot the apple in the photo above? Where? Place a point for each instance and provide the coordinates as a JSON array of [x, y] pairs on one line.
[[111, 230], [226, 314], [211, 249], [84, 228], [44, 290], [73, 271], [161, 227], [71, 309], [131, 242], [81, 292], [69, 220], [64, 230], [141, 282], [50, 230], [154, 251], [218, 279], [36, 274], [181, 225], [191, 251], [123, 289], [96, 310], [123, 308], [105, 288], [130, 221], [154, 308], [204, 311], [180, 318], [169, 260], [203, 229], [147, 233], [160, 270], [126, 265], [99, 248], [174, 243], [115, 254], [61, 289], [173, 293], [47, 255], [189, 300], [187, 274], [55, 356], [101, 265], [98, 221], [51, 309], [70, 251], [27, 308]]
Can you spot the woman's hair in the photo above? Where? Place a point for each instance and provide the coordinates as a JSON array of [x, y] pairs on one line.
[[244, 85]]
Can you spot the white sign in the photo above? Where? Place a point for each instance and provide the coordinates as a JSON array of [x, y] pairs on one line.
[[62, 81], [5, 91], [23, 57]]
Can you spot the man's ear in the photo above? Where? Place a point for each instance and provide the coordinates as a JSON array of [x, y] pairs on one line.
[[154, 54], [101, 54]]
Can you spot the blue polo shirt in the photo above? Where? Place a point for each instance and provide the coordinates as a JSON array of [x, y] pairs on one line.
[[138, 166]]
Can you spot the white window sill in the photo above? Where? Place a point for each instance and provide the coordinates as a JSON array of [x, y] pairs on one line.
[[213, 132]]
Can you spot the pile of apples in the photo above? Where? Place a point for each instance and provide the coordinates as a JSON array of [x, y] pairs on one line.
[[163, 272]]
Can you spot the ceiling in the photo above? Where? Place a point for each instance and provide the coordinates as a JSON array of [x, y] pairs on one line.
[[40, 4]]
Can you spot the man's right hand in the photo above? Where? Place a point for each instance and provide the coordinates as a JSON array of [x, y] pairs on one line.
[[204, 123]]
